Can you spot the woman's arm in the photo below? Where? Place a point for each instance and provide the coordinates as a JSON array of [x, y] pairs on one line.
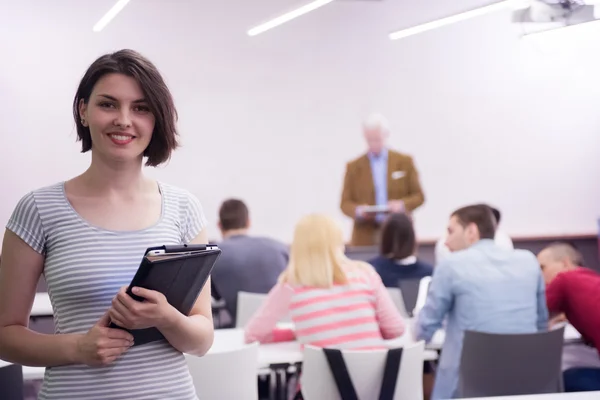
[[192, 334], [20, 270], [390, 321], [261, 327]]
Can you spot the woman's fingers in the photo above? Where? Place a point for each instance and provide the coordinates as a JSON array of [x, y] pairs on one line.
[[113, 333], [119, 319]]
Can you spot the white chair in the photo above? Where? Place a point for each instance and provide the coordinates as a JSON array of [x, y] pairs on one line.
[[422, 296], [247, 305], [366, 370], [396, 295], [213, 372]]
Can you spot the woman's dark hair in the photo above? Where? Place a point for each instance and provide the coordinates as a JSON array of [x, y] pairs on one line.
[[157, 94], [398, 239]]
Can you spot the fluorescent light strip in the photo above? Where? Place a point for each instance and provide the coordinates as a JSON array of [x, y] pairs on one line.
[[105, 20], [282, 19], [502, 5]]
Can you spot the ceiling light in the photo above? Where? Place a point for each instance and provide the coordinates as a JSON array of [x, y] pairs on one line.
[[119, 5], [499, 6], [282, 19]]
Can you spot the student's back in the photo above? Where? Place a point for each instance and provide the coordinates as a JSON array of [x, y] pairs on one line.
[[393, 271], [248, 264], [499, 290], [577, 294], [333, 301], [486, 289], [356, 315]]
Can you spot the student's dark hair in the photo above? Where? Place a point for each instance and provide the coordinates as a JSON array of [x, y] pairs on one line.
[[481, 215], [398, 239], [233, 214], [497, 214], [156, 93]]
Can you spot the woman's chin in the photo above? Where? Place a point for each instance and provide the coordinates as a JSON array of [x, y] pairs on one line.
[[123, 157]]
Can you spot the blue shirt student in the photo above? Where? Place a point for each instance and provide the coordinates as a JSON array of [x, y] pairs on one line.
[[483, 288]]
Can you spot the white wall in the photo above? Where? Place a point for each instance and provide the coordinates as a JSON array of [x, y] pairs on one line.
[[273, 119]]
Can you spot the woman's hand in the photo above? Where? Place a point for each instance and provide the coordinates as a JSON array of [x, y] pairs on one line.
[[102, 345], [128, 313]]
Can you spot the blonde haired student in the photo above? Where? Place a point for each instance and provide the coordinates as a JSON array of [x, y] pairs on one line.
[[333, 301]]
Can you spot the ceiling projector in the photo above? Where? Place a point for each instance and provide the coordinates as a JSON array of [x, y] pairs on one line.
[[542, 15]]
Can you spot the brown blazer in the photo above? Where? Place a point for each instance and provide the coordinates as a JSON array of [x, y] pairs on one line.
[[359, 189]]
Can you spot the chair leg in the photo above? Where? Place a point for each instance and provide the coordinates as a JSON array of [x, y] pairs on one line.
[[282, 384], [273, 385]]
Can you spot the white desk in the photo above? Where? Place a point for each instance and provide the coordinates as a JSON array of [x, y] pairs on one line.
[[227, 339], [29, 373], [280, 353], [558, 396], [41, 306]]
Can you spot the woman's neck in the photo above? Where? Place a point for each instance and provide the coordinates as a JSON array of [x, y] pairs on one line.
[[103, 177]]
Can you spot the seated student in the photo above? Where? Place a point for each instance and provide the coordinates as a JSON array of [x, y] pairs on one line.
[[397, 260], [480, 279], [442, 250], [574, 291], [332, 300], [247, 263]]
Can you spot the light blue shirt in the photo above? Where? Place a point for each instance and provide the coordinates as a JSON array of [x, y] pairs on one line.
[[379, 166], [484, 288]]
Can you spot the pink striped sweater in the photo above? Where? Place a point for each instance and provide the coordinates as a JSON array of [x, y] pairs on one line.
[[357, 315]]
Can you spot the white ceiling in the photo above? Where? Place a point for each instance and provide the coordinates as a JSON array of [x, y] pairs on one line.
[[205, 24]]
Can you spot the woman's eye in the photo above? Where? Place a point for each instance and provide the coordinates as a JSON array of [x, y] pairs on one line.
[[143, 109], [106, 105]]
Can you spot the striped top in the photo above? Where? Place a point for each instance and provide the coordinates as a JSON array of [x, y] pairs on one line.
[[358, 315], [85, 266]]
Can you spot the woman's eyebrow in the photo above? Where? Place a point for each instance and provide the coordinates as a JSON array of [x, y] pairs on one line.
[[142, 100]]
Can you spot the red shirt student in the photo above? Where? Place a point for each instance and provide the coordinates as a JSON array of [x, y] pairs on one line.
[[576, 293], [572, 290]]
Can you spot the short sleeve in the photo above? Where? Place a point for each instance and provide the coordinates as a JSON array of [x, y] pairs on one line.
[[194, 219], [26, 223]]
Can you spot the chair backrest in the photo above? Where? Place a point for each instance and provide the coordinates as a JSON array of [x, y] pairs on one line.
[[366, 370], [247, 305], [396, 295], [410, 292], [422, 294], [11, 382], [213, 372], [507, 365]]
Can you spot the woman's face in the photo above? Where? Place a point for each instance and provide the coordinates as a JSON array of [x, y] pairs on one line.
[[119, 118]]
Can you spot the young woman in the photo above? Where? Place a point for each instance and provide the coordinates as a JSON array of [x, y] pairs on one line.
[[87, 235], [333, 301], [397, 260]]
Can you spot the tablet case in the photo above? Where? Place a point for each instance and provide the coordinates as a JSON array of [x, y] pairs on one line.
[[180, 278]]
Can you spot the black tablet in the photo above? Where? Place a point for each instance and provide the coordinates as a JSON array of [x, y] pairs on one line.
[[178, 272]]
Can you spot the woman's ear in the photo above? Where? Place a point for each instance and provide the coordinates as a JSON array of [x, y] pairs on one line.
[[83, 112]]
